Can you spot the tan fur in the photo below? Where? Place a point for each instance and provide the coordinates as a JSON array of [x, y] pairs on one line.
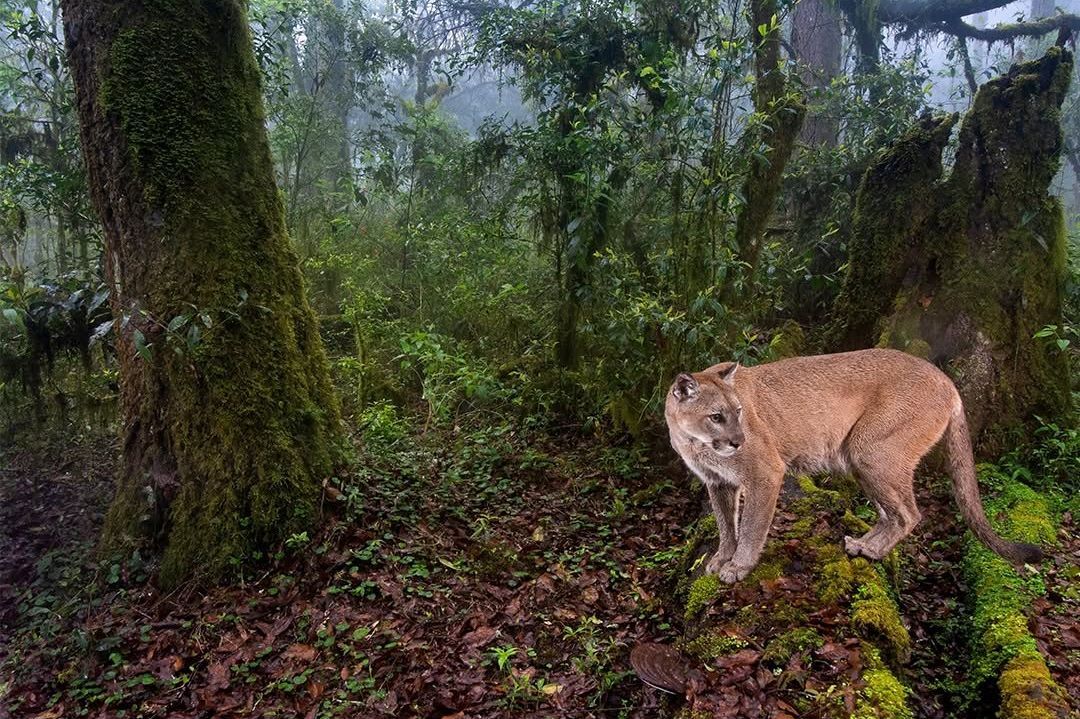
[[875, 413]]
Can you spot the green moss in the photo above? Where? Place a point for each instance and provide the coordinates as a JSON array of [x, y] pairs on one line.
[[699, 546], [770, 565], [1000, 595], [231, 435], [767, 570], [895, 202], [1028, 691], [780, 649], [787, 614], [702, 593], [814, 502], [790, 341], [918, 347], [836, 574], [750, 618], [853, 524], [713, 644], [883, 696], [874, 613]]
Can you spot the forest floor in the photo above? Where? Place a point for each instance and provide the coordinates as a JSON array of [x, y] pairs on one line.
[[460, 574]]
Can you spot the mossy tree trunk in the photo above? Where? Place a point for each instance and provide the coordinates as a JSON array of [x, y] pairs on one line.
[[229, 419], [771, 141], [966, 269]]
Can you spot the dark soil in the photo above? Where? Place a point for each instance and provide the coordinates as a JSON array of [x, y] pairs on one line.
[[49, 500]]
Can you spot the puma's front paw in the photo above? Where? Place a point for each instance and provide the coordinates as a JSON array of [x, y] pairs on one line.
[[717, 561], [730, 572]]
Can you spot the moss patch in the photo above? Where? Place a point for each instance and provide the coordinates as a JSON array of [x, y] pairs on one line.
[[703, 592], [1028, 691], [801, 639], [883, 697], [713, 644], [874, 613]]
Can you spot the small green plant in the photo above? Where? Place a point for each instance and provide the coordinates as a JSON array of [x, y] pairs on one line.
[[297, 541], [1060, 337], [501, 657]]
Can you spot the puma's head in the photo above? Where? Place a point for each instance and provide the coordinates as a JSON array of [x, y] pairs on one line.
[[707, 409]]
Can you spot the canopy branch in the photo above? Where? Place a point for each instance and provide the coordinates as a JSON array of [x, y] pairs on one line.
[[930, 11], [1011, 31]]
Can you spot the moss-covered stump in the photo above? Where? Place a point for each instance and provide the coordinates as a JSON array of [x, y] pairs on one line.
[[229, 420], [810, 632], [965, 269], [1006, 667], [893, 206]]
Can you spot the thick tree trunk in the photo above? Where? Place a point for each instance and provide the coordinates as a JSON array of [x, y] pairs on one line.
[[816, 37], [229, 419], [966, 269]]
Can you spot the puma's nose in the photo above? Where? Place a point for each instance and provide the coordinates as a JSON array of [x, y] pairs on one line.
[[735, 445]]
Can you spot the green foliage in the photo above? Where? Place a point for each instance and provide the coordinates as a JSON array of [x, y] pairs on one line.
[[1050, 462]]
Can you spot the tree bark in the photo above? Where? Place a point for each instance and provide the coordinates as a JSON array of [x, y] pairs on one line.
[[921, 11], [816, 38], [1041, 9], [966, 269], [229, 419]]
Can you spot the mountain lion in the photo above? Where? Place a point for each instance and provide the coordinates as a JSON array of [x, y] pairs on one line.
[[874, 413]]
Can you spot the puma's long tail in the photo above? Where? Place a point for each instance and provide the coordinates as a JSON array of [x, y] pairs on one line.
[[966, 491]]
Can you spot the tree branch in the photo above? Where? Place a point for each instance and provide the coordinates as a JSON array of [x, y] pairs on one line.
[[931, 11], [1009, 31]]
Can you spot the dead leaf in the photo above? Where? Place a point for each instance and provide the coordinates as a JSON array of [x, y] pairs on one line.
[[303, 652], [480, 636]]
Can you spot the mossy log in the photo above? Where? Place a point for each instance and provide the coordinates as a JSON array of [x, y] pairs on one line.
[[855, 643], [229, 419], [965, 268], [1005, 659]]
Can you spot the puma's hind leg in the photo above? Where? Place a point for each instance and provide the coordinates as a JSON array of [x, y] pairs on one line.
[[883, 449], [891, 489]]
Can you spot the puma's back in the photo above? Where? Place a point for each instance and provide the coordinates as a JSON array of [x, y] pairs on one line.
[[873, 412]]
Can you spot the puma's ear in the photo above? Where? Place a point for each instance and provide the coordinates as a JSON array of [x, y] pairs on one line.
[[728, 373], [685, 387]]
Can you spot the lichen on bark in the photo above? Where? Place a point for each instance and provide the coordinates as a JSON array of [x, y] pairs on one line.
[[226, 438]]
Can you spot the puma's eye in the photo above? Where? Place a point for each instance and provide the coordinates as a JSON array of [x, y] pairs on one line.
[[718, 417]]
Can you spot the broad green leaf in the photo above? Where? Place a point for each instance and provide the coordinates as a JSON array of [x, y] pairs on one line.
[[141, 347]]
